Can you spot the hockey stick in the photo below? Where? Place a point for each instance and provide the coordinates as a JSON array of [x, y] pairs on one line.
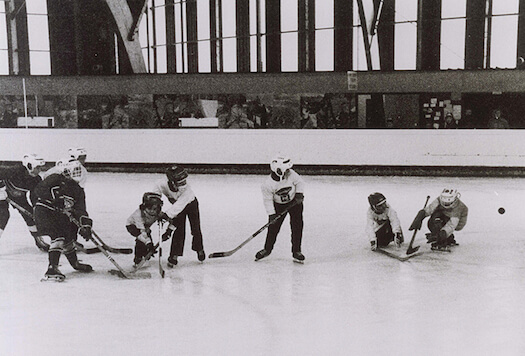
[[393, 255], [231, 252], [121, 272], [161, 270], [410, 249], [40, 242], [78, 246], [145, 259]]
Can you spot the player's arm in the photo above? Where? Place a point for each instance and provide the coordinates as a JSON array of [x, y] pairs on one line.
[[369, 230], [185, 198], [267, 194]]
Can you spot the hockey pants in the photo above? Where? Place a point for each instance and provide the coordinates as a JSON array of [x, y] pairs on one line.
[[296, 225], [384, 235], [179, 235]]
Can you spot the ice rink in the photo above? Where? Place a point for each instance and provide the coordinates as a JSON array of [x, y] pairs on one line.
[[345, 300]]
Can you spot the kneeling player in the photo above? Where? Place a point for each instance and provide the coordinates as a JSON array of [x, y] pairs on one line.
[[139, 224], [447, 214], [382, 223], [59, 198]]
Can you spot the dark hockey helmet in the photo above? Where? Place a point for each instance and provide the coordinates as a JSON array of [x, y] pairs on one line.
[[151, 200], [377, 202], [177, 175]]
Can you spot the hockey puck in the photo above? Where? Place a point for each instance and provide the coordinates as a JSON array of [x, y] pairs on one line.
[[501, 210]]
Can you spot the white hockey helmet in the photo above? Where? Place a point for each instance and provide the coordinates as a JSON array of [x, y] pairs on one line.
[[77, 152], [280, 165], [72, 169], [449, 197], [32, 160]]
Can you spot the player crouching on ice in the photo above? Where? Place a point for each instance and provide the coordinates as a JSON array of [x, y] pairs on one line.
[[139, 224], [382, 223], [59, 198], [283, 193], [184, 204], [447, 214]]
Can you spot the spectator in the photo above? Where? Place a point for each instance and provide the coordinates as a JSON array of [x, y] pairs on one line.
[[449, 122], [497, 121]]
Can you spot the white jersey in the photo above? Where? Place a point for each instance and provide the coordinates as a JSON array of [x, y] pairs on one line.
[[179, 199], [58, 170], [375, 221], [281, 192]]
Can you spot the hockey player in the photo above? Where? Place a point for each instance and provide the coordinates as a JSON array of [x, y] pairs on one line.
[[184, 204], [75, 154], [59, 197], [80, 154], [382, 223], [447, 214], [18, 182], [282, 191], [139, 223]]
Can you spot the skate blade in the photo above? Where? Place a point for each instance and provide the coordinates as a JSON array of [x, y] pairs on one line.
[[298, 261], [52, 279]]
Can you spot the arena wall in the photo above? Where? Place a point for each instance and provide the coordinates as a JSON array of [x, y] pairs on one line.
[[391, 152]]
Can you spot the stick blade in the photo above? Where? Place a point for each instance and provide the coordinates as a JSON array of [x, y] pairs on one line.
[[218, 254], [135, 275], [412, 250]]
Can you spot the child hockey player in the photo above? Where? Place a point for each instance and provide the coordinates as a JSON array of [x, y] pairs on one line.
[[139, 223], [447, 214], [184, 204], [283, 192], [60, 196], [382, 225], [17, 182]]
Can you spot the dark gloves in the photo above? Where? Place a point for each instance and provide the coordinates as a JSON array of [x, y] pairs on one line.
[[299, 198], [151, 248], [418, 220], [167, 234], [373, 245], [272, 217], [85, 227]]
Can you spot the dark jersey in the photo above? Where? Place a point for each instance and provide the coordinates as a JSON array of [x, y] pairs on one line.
[[18, 181], [57, 192]]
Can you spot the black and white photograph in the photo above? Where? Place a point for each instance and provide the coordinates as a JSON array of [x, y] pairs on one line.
[[262, 177]]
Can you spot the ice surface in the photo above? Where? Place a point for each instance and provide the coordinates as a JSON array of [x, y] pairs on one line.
[[345, 300]]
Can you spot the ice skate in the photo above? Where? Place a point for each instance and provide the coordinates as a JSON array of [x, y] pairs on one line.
[[53, 274], [82, 267], [201, 255], [440, 248], [298, 257], [451, 241], [261, 254], [431, 237], [172, 261]]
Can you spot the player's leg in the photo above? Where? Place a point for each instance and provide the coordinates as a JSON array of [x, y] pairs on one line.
[[69, 247], [435, 223], [48, 223], [30, 222], [195, 226], [141, 250], [271, 235], [4, 215], [385, 235], [177, 241], [296, 226]]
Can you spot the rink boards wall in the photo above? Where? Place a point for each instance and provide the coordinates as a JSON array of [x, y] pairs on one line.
[[350, 152]]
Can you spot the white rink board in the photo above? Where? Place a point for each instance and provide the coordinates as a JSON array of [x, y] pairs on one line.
[[505, 148]]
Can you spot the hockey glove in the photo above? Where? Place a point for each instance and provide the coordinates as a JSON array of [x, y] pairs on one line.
[[299, 198], [373, 244], [85, 227], [167, 234], [151, 248], [164, 217], [416, 224], [271, 217], [398, 238]]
